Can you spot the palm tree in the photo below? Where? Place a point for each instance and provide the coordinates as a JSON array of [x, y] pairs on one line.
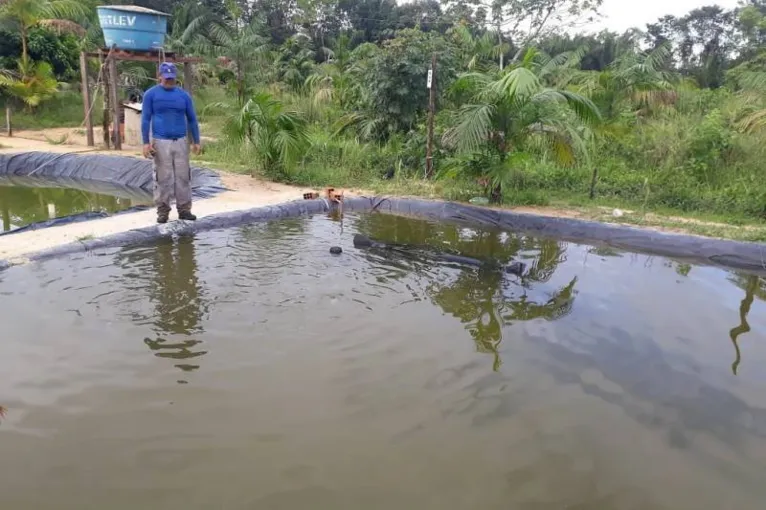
[[637, 79], [187, 33], [753, 84], [295, 61], [238, 41], [56, 14], [510, 110], [279, 136], [332, 80], [479, 52], [34, 82]]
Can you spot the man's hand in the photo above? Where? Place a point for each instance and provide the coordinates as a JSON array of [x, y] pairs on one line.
[[195, 148], [148, 150]]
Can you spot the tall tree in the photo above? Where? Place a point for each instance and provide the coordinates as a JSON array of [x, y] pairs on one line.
[[370, 20], [189, 28], [394, 94], [277, 15], [523, 22], [323, 21], [702, 42], [22, 15], [238, 40], [751, 21]]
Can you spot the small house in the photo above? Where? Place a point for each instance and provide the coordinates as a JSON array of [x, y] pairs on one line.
[[132, 134]]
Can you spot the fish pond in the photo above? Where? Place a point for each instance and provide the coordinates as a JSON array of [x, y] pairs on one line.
[[250, 368], [22, 205]]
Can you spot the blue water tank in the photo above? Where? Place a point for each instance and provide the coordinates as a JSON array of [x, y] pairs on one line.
[[130, 27]]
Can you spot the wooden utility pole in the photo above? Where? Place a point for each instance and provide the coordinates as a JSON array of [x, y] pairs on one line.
[[113, 79], [86, 99], [8, 125], [188, 78], [105, 99], [431, 112]]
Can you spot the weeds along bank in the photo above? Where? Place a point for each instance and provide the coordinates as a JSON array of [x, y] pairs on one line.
[[692, 157]]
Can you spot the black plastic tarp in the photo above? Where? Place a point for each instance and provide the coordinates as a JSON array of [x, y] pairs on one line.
[[119, 176], [744, 256], [693, 249]]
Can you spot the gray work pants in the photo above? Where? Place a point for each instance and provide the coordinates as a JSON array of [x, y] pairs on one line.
[[172, 175]]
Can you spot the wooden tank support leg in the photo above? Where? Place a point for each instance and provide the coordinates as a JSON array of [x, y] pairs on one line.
[[115, 104], [86, 99]]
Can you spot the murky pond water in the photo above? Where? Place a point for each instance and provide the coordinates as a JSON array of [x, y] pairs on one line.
[[249, 368], [21, 206]]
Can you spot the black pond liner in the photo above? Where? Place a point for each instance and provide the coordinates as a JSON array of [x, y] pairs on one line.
[[749, 257], [118, 176]]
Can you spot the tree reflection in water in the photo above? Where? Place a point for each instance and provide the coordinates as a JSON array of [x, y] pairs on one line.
[[753, 286], [485, 301], [178, 301], [21, 205]]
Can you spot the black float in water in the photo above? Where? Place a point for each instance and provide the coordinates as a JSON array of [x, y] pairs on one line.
[[336, 250]]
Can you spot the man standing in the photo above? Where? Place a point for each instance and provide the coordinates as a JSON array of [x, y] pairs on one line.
[[168, 112]]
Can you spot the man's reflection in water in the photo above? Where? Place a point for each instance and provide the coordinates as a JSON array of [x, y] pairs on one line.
[[178, 300]]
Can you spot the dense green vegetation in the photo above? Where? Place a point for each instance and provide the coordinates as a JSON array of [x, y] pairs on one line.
[[334, 92]]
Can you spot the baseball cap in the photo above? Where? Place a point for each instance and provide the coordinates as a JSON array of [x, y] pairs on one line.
[[168, 70]]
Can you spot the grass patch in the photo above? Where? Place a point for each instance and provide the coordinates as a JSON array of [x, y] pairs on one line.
[[344, 162], [61, 140], [64, 110], [741, 232]]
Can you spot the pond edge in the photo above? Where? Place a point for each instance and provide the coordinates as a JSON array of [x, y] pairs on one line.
[[750, 257]]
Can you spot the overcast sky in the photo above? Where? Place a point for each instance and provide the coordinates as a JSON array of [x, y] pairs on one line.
[[619, 15]]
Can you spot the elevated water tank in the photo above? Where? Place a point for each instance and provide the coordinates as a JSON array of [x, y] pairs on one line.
[[130, 27]]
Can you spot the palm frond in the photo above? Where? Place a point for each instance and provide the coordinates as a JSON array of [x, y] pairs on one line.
[[518, 82], [658, 57], [471, 81], [753, 80], [529, 57], [473, 129], [582, 106], [754, 122], [63, 9], [366, 124], [564, 142], [63, 26]]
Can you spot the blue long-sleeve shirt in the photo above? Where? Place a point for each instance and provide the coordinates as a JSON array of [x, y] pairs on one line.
[[168, 113]]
